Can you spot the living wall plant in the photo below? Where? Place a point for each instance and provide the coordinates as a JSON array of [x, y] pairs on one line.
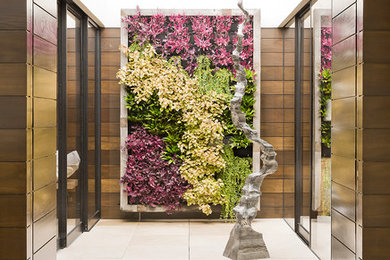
[[179, 79]]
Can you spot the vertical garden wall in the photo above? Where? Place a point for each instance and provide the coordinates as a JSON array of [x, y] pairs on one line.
[[179, 146]]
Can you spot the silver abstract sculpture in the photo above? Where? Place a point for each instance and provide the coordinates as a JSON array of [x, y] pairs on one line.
[[244, 242]]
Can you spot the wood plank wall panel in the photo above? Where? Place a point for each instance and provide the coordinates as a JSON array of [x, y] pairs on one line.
[[277, 124], [373, 138], [344, 130]]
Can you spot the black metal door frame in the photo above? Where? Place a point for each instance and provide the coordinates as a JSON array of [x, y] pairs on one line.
[[299, 51], [87, 222]]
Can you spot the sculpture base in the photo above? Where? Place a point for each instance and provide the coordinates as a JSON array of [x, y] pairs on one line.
[[245, 244]]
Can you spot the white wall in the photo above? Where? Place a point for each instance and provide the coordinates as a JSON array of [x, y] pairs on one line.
[[273, 12]]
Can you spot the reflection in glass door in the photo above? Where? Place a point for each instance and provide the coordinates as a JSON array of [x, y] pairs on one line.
[[303, 123], [73, 121]]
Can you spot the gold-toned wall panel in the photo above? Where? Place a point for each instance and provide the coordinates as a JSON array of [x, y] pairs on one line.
[[343, 229], [375, 145], [343, 113], [45, 142], [344, 54], [375, 112], [44, 201], [343, 171], [375, 46], [44, 230], [376, 243], [343, 83], [45, 25], [45, 83], [376, 211], [375, 80], [45, 54], [340, 251], [375, 177], [343, 200], [45, 112], [344, 25], [343, 142], [49, 5], [13, 14], [44, 171], [340, 5], [48, 251]]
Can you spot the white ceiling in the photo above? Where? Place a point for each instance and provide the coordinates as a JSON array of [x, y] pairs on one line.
[[273, 12]]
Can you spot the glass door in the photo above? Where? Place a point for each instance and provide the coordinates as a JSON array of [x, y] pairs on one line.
[[78, 202], [303, 125]]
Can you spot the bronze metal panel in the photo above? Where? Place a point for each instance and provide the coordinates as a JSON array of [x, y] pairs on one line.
[[29, 209], [109, 72], [359, 208], [375, 111], [343, 171], [344, 25], [270, 101], [45, 25], [48, 5], [376, 210], [44, 201], [340, 5], [14, 177], [343, 229], [343, 200], [45, 142], [375, 177], [14, 213], [376, 145], [13, 46], [340, 251], [13, 79], [45, 83], [343, 83], [14, 145], [344, 54], [343, 113], [13, 243], [375, 78], [376, 14], [44, 171], [375, 46], [376, 243], [45, 54], [13, 112], [111, 58], [343, 142], [49, 251], [267, 87], [45, 229], [13, 15], [45, 111]]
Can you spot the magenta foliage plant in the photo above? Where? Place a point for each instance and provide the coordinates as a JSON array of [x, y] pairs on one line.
[[193, 36], [326, 48], [149, 180]]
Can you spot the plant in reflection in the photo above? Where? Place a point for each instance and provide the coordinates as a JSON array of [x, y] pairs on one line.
[[325, 78], [149, 180]]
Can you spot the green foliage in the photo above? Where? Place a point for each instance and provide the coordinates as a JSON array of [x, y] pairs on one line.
[[209, 79], [233, 177], [238, 139], [326, 92], [164, 123]]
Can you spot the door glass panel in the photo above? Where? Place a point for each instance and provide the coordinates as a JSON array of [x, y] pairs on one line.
[[92, 167], [73, 124], [321, 170], [306, 122]]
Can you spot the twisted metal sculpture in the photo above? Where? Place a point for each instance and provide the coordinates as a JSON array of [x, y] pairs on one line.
[[244, 242]]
